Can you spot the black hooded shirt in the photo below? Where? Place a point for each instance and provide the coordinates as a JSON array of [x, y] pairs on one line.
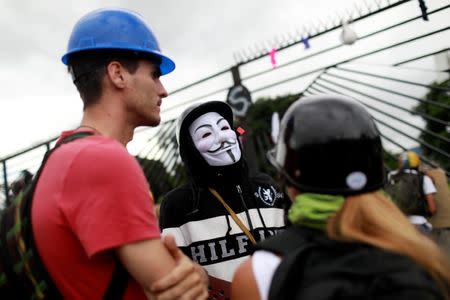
[[202, 226]]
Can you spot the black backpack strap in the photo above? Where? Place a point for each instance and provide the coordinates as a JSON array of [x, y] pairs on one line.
[[45, 288], [422, 194], [293, 244], [120, 277], [118, 284], [287, 241], [288, 275], [421, 180], [51, 290]]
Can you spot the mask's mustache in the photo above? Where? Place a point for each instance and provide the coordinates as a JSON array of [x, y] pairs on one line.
[[223, 145]]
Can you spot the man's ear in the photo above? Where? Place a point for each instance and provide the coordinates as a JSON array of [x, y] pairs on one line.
[[117, 74]]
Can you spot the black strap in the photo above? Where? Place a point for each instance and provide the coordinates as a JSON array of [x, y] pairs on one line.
[[120, 277], [289, 273], [118, 283], [51, 291], [292, 244], [426, 208], [44, 281], [289, 240]]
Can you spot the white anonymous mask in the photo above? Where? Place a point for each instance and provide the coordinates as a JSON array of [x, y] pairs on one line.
[[215, 140]]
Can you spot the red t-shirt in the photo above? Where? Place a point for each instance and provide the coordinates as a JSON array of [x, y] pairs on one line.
[[92, 196]]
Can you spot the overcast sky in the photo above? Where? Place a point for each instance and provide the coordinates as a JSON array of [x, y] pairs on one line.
[[38, 100]]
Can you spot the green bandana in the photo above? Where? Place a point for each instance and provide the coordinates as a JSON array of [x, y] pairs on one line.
[[314, 210]]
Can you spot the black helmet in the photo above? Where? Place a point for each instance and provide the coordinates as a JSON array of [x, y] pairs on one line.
[[329, 144]]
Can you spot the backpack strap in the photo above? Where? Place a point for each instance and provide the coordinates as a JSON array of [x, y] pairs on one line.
[[120, 277], [22, 269], [289, 273], [288, 240], [118, 284], [293, 244], [422, 194], [42, 286], [51, 291]]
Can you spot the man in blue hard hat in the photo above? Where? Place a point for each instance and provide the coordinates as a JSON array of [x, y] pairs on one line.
[[92, 210]]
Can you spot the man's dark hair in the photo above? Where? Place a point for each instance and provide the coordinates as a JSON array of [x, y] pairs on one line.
[[88, 68]]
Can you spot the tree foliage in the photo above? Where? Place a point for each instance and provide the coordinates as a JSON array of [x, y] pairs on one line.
[[258, 124], [260, 113]]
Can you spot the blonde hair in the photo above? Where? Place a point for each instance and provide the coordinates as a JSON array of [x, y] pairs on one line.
[[374, 219]]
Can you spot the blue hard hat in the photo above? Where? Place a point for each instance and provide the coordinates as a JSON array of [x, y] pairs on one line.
[[115, 29]]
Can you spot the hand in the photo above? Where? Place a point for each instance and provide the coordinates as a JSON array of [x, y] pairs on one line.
[[187, 281]]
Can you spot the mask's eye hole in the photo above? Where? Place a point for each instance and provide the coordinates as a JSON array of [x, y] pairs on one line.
[[206, 135], [225, 127]]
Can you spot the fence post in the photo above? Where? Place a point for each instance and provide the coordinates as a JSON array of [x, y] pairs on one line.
[[236, 75], [239, 99]]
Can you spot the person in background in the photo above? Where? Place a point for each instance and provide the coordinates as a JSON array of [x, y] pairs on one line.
[[412, 191], [21, 182], [18, 185], [92, 210], [222, 211], [347, 240]]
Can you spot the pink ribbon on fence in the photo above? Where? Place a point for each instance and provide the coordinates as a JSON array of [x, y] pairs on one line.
[[273, 60]]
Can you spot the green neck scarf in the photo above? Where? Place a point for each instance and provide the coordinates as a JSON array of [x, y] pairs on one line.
[[314, 210]]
